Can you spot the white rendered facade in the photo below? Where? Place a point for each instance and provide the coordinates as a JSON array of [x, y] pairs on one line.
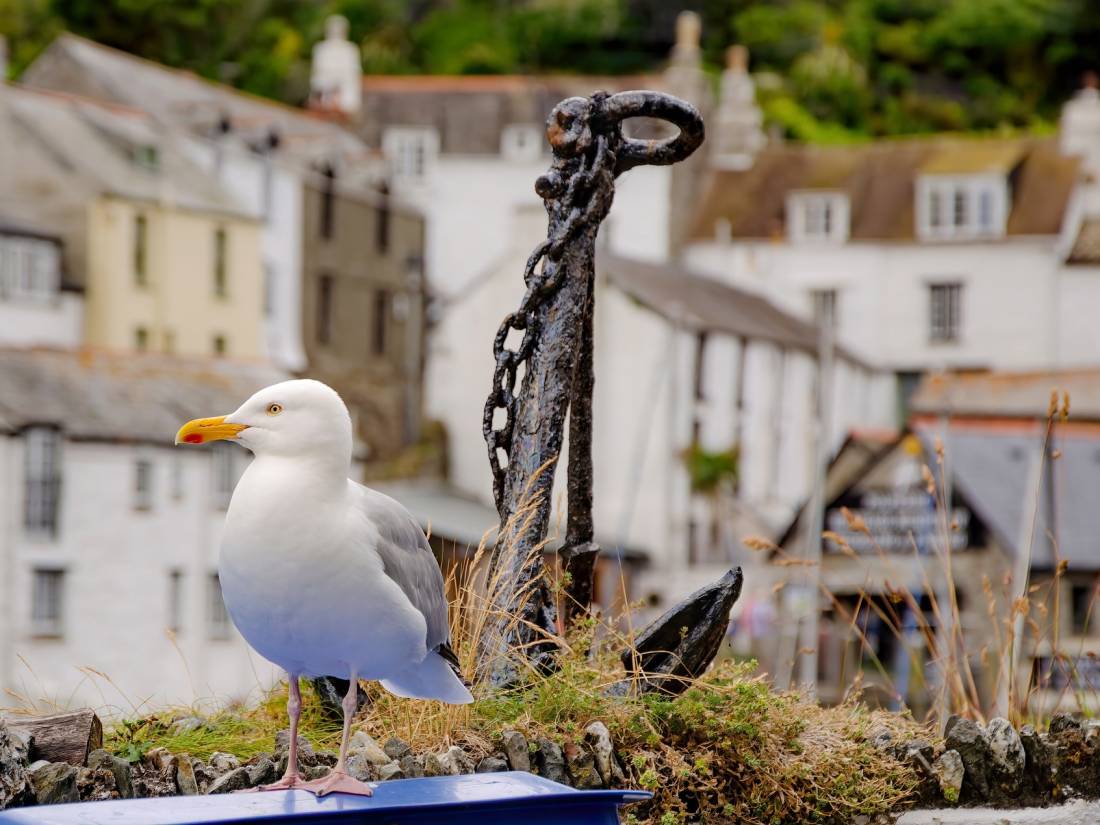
[[115, 608]]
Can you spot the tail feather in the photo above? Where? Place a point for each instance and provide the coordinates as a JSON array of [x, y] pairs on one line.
[[433, 678]]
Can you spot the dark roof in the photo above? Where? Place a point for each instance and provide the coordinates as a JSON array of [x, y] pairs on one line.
[[879, 179], [132, 397], [469, 112], [1086, 246], [1017, 395], [991, 465], [992, 470], [184, 99], [706, 305], [24, 229]]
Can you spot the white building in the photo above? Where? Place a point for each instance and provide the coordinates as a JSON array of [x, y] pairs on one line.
[[109, 535], [930, 253], [263, 152], [681, 360], [38, 307]]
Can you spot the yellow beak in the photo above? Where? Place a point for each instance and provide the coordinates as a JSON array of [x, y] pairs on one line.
[[202, 430]]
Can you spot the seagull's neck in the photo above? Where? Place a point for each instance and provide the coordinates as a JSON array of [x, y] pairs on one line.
[[315, 474]]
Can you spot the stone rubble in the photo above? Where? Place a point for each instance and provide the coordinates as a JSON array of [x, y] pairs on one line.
[[992, 765]]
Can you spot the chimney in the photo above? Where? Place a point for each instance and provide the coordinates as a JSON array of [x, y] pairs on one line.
[[684, 76], [336, 77], [737, 132], [1079, 128]]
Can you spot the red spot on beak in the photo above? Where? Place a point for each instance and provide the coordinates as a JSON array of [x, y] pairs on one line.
[[193, 438]]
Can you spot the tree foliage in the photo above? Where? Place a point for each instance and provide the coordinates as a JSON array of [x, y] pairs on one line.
[[833, 68]]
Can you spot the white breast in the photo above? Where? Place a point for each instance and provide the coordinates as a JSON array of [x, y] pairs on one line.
[[304, 586]]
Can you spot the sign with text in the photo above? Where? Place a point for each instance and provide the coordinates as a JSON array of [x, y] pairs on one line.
[[898, 521]]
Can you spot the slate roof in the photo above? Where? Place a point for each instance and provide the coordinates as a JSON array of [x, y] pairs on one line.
[[992, 470], [880, 179], [1086, 246], [185, 100], [470, 111], [991, 466], [704, 304], [94, 395], [1008, 394], [102, 145]]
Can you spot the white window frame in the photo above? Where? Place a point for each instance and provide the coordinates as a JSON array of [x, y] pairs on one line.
[[47, 603], [217, 616], [30, 269], [175, 600], [984, 202], [818, 217], [411, 151], [522, 142], [143, 483], [42, 473], [945, 322], [227, 472], [825, 301]]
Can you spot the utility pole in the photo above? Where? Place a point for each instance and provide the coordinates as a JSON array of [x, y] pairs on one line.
[[808, 643]]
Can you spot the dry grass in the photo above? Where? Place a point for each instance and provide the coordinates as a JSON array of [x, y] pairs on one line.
[[1024, 616]]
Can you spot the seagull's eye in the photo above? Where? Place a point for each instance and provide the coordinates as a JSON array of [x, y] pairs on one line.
[[274, 409]]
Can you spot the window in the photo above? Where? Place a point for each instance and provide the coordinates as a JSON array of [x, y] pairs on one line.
[[825, 307], [382, 222], [47, 609], [141, 339], [325, 287], [225, 473], [699, 369], [143, 484], [269, 289], [42, 479], [221, 244], [30, 269], [147, 157], [945, 312], [221, 345], [217, 617], [521, 141], [961, 207], [169, 342], [177, 475], [328, 202], [141, 250], [175, 600], [381, 321], [410, 151], [817, 216], [1082, 596]]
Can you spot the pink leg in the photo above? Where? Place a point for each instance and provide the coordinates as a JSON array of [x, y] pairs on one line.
[[338, 780], [291, 779]]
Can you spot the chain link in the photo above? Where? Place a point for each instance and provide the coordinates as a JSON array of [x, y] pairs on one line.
[[591, 185]]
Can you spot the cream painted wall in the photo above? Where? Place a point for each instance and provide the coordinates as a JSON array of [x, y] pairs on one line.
[[178, 306]]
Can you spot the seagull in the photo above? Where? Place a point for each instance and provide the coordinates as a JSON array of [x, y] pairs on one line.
[[321, 575]]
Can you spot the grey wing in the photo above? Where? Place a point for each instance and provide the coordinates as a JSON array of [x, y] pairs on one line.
[[409, 561]]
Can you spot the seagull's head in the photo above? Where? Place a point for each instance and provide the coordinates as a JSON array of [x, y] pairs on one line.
[[293, 418]]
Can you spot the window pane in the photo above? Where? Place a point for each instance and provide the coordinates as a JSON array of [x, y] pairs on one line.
[[216, 615], [140, 252], [221, 241], [46, 606], [42, 479], [960, 204]]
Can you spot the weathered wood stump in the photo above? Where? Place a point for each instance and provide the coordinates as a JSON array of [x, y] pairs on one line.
[[61, 737]]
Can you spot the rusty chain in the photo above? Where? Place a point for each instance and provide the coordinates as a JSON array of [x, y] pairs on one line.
[[540, 286]]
